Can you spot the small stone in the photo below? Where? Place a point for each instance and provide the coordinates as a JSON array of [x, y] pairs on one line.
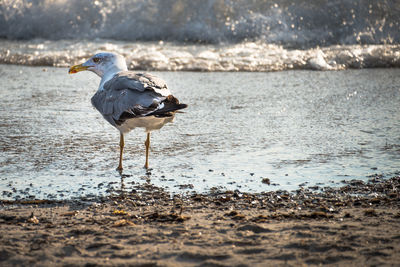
[[266, 181], [33, 219]]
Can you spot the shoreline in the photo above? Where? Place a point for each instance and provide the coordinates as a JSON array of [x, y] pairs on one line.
[[249, 56], [358, 223]]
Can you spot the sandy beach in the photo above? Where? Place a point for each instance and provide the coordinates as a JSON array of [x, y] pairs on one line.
[[357, 224]]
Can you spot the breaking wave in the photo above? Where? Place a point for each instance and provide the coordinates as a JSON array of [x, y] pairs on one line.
[[302, 23]]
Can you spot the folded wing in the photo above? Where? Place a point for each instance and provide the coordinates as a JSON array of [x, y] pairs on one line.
[[130, 95]]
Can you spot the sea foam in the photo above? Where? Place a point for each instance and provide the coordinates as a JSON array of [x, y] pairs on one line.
[[165, 56]]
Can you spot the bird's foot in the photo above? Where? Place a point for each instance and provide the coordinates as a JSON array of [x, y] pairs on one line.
[[119, 169], [148, 170]]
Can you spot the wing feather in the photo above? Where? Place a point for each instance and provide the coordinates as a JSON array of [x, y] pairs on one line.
[[130, 95], [137, 81]]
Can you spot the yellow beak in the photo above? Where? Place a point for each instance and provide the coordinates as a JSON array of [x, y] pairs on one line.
[[77, 68]]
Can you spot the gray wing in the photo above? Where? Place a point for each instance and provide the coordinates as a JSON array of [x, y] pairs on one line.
[[137, 81], [129, 95]]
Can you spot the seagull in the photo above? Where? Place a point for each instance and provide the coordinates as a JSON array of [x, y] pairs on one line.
[[128, 100]]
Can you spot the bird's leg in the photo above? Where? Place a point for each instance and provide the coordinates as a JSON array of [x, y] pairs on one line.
[[147, 143], [121, 150]]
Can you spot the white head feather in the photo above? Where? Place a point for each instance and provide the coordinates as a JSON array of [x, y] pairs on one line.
[[106, 63]]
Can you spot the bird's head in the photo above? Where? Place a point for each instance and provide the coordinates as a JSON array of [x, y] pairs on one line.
[[101, 64]]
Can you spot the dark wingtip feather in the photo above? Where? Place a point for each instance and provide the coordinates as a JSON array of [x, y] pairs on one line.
[[168, 109], [181, 106]]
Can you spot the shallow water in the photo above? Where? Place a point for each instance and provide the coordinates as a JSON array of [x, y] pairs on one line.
[[293, 127]]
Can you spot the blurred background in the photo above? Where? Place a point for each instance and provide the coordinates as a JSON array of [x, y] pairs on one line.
[[220, 24], [300, 23]]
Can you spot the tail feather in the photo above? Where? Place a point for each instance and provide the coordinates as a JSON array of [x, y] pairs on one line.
[[167, 110]]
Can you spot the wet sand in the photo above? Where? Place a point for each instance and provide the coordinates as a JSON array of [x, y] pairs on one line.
[[357, 224]]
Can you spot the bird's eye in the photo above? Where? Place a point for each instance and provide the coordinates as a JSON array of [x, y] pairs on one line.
[[96, 59]]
